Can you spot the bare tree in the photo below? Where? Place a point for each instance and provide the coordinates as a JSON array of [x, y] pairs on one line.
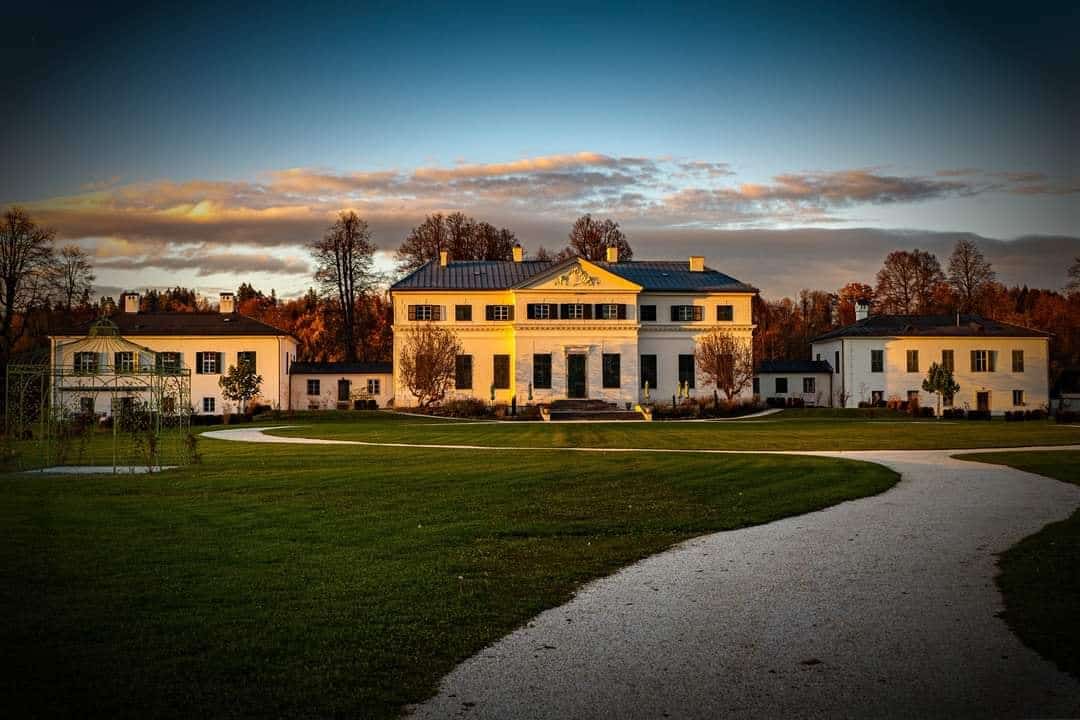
[[344, 258], [591, 238], [74, 276], [726, 361], [552, 256], [462, 236], [27, 269], [906, 282], [970, 275], [1074, 277], [428, 361]]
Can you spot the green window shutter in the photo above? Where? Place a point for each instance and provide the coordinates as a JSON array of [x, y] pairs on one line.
[[587, 308], [221, 362], [699, 313], [412, 312], [973, 362], [675, 313], [621, 314]]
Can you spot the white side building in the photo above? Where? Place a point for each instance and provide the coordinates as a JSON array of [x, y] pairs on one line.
[[807, 380], [340, 385], [206, 343], [998, 366]]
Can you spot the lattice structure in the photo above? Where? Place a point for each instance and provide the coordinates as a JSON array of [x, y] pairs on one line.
[[99, 401]]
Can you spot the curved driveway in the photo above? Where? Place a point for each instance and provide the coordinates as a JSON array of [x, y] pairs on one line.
[[883, 606]]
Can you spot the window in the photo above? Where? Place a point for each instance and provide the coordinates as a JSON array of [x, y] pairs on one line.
[[836, 362], [947, 360], [725, 313], [757, 386], [314, 387], [611, 311], [86, 405], [208, 363], [913, 361], [124, 361], [611, 363], [648, 313], [913, 396], [1018, 397], [168, 362], [501, 372], [648, 371], [1018, 361], [983, 360], [575, 311], [374, 387], [686, 370], [500, 312], [877, 397], [540, 311], [687, 313], [245, 356], [877, 361], [463, 313], [86, 362], [808, 385], [425, 312], [463, 372], [208, 404], [781, 386], [542, 371]]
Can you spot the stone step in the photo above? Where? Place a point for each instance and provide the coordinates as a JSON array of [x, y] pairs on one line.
[[582, 405], [598, 415]]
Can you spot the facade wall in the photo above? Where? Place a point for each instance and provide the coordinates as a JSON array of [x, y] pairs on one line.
[[327, 397], [522, 338], [895, 381], [822, 396], [272, 357]]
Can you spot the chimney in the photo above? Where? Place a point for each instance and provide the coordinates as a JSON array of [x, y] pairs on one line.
[[613, 254], [227, 303], [518, 253], [129, 303], [444, 258], [862, 310], [697, 263]]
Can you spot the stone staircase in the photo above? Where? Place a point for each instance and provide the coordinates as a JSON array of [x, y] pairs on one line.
[[599, 410]]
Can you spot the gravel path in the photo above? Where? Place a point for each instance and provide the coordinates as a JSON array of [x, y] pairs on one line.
[[883, 607]]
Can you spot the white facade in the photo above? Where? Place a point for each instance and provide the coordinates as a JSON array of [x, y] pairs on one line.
[[894, 367], [813, 388], [339, 390], [208, 355], [577, 347]]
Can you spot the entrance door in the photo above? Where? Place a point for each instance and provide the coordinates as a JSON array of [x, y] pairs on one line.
[[344, 388], [575, 376], [982, 401]]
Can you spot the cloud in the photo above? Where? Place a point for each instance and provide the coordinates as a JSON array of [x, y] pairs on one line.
[[541, 164], [213, 264]]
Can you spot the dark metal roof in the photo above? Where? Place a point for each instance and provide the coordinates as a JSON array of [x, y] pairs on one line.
[[336, 368], [793, 366], [183, 323], [651, 275], [930, 326]]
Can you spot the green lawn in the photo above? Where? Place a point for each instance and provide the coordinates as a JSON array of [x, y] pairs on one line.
[[1040, 577], [318, 581], [790, 430]]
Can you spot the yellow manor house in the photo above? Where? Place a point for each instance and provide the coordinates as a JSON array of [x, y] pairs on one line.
[[545, 330]]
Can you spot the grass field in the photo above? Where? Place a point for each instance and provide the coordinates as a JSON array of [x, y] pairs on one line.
[[790, 430], [1040, 577], [317, 581]]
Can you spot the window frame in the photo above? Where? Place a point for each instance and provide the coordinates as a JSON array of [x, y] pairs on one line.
[[83, 368], [242, 356], [647, 313], [541, 371], [683, 376], [948, 360], [776, 385], [912, 360], [374, 386], [500, 366], [809, 386], [463, 313], [1018, 361], [463, 365], [317, 385], [877, 360], [646, 372], [212, 401], [725, 310], [607, 311], [687, 313], [1018, 394], [611, 370], [500, 313], [124, 361]]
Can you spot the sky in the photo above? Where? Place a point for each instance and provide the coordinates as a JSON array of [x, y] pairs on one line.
[[792, 146]]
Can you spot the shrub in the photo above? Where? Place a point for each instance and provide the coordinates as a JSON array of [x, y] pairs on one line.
[[463, 408], [978, 415], [863, 404], [1035, 415], [1067, 416], [926, 412], [953, 413]]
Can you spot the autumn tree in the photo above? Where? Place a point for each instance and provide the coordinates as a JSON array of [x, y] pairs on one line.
[[27, 272], [906, 282], [241, 384], [725, 361], [428, 361], [970, 275], [591, 238], [463, 237], [939, 381], [74, 277], [344, 259]]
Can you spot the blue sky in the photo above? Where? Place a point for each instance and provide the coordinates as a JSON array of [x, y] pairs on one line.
[[147, 134]]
